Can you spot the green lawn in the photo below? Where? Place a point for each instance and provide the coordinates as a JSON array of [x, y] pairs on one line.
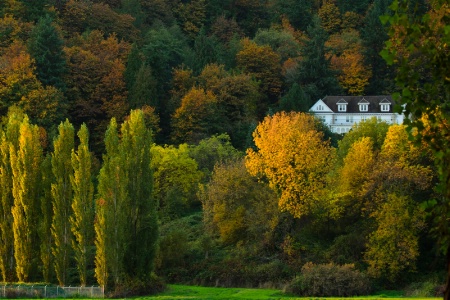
[[202, 293]]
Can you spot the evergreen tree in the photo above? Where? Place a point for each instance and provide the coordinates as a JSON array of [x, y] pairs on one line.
[[82, 220], [374, 35], [46, 47], [143, 91], [315, 75], [296, 100], [111, 210], [62, 200], [299, 12], [142, 225], [25, 164]]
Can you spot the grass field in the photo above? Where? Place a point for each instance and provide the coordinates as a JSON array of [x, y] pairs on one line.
[[203, 293]]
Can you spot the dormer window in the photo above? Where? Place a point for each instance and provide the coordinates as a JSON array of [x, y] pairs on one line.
[[363, 105], [342, 105], [385, 105]]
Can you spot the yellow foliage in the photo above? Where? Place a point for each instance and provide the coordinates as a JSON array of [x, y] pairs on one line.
[[293, 157], [358, 166]]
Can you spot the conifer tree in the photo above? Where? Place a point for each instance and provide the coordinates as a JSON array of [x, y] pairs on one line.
[[374, 35], [82, 220], [315, 74], [62, 200], [111, 212], [25, 164], [46, 47]]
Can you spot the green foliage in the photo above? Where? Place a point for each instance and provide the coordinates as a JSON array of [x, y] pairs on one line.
[[393, 246], [26, 159], [110, 228], [127, 224], [62, 194], [372, 128], [281, 41], [46, 219], [164, 48], [82, 221], [315, 75], [236, 206], [176, 179], [9, 138], [422, 80], [296, 100], [299, 13], [141, 208], [213, 150], [374, 34], [46, 47], [325, 280]]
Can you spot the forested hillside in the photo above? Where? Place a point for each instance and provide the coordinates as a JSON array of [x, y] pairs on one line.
[[169, 138]]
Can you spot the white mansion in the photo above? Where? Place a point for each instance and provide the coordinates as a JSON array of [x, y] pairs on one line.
[[341, 112]]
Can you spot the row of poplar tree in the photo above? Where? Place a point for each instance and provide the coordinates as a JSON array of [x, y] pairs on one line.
[[52, 221]]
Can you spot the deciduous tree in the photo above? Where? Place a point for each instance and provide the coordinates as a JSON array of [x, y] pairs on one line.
[[292, 155], [195, 118], [26, 159], [9, 137], [236, 206], [62, 194], [263, 63], [82, 220]]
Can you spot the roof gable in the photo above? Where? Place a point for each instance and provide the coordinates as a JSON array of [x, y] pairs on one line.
[[320, 107], [363, 101]]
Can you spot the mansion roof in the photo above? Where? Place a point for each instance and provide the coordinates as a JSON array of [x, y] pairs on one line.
[[353, 103]]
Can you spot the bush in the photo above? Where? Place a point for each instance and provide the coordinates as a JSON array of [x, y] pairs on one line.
[[325, 280], [137, 287]]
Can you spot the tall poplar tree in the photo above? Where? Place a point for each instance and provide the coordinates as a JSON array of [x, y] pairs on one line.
[[142, 226], [111, 218], [82, 220], [8, 137], [62, 200], [25, 164], [46, 219], [126, 221]]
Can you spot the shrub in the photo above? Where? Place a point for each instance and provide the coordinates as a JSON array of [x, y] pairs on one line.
[[137, 287], [325, 280]]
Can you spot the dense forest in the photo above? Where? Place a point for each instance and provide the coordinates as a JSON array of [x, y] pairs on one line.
[[168, 140]]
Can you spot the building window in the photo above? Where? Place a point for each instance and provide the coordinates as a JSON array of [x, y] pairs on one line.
[[342, 107], [319, 107], [363, 107], [384, 107], [349, 119]]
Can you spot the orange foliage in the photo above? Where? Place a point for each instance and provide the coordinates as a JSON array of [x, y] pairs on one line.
[[292, 155]]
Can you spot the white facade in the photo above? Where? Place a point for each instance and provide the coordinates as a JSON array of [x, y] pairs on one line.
[[340, 113]]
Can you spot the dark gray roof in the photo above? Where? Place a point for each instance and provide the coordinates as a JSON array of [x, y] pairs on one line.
[[353, 107]]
